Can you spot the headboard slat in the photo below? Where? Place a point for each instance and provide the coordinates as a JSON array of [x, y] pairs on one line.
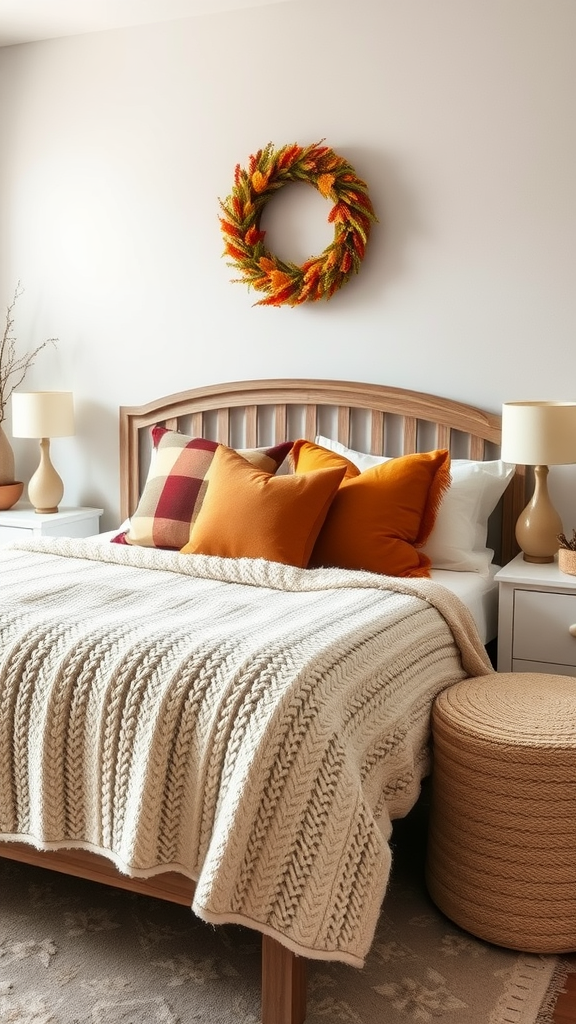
[[476, 448], [410, 435], [251, 426], [197, 424], [443, 436], [377, 432], [311, 422], [343, 425], [223, 426], [280, 424]]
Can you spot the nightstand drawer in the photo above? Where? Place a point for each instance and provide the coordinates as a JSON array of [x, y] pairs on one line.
[[542, 666], [22, 523], [541, 627]]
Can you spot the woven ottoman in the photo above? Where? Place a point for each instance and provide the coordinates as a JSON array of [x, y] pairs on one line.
[[501, 857]]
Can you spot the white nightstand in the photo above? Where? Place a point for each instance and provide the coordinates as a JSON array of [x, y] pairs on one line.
[[23, 523], [536, 618]]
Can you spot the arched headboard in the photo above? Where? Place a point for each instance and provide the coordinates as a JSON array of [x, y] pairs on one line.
[[375, 418]]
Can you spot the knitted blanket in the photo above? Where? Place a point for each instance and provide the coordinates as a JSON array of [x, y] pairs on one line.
[[254, 726]]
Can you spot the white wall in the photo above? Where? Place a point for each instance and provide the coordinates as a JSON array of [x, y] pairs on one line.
[[115, 147]]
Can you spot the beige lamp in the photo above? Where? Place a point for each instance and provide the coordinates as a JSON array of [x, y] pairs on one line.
[[539, 434], [43, 414]]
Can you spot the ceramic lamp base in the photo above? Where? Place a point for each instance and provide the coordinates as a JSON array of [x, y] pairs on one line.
[[45, 489], [539, 524]]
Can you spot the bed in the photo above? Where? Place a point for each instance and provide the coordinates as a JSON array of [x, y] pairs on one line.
[[313, 907]]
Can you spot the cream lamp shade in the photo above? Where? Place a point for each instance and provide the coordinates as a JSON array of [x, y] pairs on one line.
[[539, 434], [42, 415]]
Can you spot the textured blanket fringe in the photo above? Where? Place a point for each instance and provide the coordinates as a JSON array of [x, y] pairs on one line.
[[526, 987], [337, 956], [556, 986]]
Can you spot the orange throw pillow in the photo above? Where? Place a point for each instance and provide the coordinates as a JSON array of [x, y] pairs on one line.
[[248, 513], [379, 519]]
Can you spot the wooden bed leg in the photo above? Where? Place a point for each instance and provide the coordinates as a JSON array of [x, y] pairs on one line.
[[283, 984]]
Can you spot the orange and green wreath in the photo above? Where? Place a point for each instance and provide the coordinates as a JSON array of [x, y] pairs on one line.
[[285, 283]]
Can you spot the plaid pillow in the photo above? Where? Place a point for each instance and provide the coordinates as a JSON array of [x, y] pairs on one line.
[[177, 480]]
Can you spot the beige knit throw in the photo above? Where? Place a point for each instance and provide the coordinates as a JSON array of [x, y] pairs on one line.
[[249, 724]]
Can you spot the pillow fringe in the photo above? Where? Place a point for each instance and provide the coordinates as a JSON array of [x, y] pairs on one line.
[[438, 487]]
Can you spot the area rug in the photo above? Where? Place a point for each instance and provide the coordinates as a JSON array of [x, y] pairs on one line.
[[75, 952]]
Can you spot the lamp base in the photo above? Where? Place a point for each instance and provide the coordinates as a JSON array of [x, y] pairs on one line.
[[45, 511], [539, 524], [45, 489]]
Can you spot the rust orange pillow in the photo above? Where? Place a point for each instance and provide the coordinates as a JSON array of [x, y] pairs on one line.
[[248, 513], [379, 519]]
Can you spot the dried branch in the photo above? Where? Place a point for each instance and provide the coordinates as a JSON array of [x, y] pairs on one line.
[[13, 368], [570, 545]]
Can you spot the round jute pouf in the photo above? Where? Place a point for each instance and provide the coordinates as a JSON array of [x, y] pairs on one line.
[[501, 858]]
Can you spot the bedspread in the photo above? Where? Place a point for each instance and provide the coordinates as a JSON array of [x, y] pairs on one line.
[[252, 725]]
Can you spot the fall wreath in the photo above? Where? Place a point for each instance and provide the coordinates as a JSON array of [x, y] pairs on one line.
[[320, 276]]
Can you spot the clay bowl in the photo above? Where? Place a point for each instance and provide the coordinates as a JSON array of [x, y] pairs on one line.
[[9, 494]]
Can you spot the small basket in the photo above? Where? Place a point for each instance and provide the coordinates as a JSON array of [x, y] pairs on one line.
[[567, 561]]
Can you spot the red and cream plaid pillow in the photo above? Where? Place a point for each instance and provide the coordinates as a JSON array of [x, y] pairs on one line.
[[177, 482]]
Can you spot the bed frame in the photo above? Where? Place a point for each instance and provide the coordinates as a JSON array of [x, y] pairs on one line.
[[369, 417]]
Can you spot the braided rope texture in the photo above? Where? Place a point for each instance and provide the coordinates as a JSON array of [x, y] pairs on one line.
[[352, 215], [234, 720], [501, 857]]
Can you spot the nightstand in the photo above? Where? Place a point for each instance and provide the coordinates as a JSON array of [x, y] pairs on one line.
[[536, 618], [23, 523]]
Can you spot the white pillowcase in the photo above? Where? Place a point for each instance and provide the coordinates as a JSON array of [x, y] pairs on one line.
[[458, 540], [360, 459]]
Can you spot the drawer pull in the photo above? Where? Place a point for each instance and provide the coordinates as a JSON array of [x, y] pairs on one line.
[[572, 630]]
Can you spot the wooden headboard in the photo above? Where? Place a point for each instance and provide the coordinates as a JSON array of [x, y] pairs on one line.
[[370, 417]]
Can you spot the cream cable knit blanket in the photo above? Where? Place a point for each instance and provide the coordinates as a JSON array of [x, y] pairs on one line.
[[252, 725]]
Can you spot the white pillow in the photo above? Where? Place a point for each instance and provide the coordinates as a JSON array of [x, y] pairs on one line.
[[458, 539], [360, 459]]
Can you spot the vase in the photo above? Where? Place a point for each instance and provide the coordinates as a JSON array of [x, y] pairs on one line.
[[10, 489], [6, 459]]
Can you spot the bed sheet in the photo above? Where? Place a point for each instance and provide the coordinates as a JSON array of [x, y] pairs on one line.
[[478, 593]]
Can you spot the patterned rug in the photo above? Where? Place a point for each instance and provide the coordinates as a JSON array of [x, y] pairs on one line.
[[74, 952]]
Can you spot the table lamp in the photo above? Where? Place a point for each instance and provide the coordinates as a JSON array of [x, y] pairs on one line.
[[539, 434], [43, 414]]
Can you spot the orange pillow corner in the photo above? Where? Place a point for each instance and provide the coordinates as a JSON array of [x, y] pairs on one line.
[[305, 457]]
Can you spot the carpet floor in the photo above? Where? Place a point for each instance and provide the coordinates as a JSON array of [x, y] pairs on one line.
[[75, 952]]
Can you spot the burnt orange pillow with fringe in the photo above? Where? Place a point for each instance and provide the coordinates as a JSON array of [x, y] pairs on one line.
[[379, 519], [248, 513]]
